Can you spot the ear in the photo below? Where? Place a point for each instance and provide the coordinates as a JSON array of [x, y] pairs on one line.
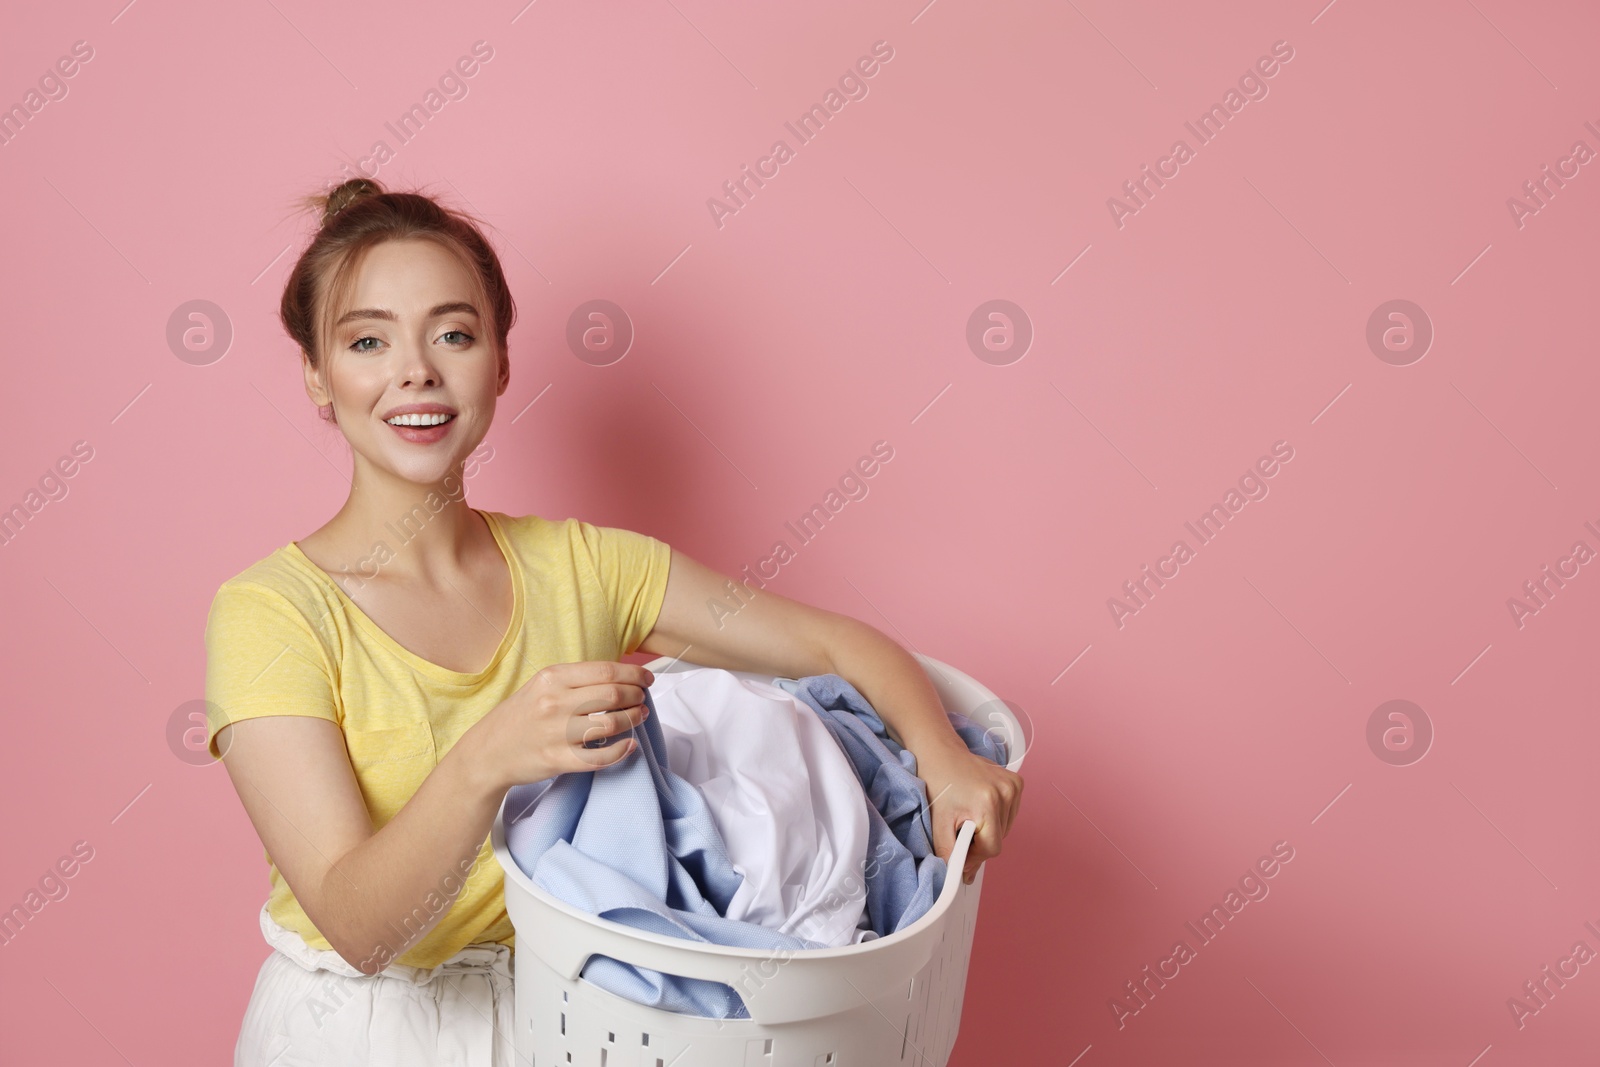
[[313, 379], [505, 374]]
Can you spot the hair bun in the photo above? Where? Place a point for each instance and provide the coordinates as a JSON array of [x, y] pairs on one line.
[[348, 193]]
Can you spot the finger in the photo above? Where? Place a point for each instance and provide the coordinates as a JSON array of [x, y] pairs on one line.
[[970, 864], [607, 739], [943, 839], [969, 869], [985, 846], [607, 696], [944, 835], [598, 725], [600, 672], [946, 824], [1003, 808], [1013, 809], [593, 759]]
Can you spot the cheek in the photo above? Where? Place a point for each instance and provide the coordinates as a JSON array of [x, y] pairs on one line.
[[357, 385]]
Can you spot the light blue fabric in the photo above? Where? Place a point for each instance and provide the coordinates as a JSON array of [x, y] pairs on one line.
[[636, 844], [903, 875]]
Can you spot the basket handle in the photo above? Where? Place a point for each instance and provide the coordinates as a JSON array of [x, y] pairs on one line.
[[777, 986]]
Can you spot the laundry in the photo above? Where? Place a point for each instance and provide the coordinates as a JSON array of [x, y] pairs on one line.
[[786, 800], [906, 876], [637, 843]]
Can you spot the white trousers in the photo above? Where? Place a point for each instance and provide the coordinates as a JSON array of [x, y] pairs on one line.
[[311, 1007]]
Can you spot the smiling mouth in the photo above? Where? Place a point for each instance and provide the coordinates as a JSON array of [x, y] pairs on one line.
[[422, 422]]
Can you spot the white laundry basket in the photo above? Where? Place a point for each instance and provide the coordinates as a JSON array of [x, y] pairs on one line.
[[895, 999]]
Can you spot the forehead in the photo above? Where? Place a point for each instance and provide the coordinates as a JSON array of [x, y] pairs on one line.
[[409, 276]]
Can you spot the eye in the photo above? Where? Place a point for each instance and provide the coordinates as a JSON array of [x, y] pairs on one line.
[[355, 345], [460, 333]]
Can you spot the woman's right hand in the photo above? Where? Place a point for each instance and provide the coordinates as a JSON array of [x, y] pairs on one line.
[[539, 731]]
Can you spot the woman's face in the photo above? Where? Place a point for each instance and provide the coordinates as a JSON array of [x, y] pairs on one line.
[[414, 335]]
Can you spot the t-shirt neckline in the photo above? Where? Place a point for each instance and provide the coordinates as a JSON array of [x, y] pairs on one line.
[[410, 658]]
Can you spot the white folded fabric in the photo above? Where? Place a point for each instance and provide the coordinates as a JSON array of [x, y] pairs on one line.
[[785, 797]]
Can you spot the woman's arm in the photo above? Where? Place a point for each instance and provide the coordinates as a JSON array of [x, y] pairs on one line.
[[375, 894], [364, 891], [771, 634]]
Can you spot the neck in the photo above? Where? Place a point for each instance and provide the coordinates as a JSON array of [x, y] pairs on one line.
[[400, 530]]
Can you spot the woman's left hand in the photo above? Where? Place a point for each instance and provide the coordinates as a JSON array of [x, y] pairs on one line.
[[964, 785]]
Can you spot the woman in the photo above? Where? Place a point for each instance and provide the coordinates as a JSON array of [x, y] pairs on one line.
[[372, 723]]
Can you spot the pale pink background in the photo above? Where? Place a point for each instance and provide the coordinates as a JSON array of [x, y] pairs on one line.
[[829, 314]]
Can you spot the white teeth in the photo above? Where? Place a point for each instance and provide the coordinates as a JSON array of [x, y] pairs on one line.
[[418, 420]]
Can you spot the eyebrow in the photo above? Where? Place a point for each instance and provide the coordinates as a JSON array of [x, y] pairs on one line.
[[384, 313]]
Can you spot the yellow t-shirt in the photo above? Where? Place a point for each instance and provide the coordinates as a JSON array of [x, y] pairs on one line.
[[283, 639]]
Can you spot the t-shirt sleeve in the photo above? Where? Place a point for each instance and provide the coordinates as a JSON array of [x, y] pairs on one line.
[[263, 658], [632, 569]]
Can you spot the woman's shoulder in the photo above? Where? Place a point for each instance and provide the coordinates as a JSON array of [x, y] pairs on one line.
[[531, 527], [541, 543], [571, 533], [284, 575]]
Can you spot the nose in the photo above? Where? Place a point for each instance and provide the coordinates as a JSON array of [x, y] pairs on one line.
[[416, 368]]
